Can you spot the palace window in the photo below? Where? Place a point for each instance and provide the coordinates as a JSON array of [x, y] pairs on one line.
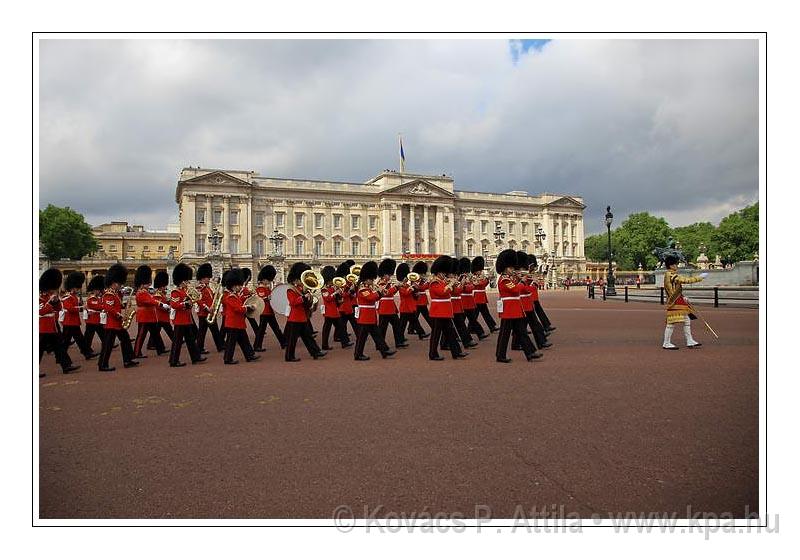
[[337, 248], [319, 221], [145, 248], [337, 221], [484, 226], [373, 248], [524, 228], [259, 248], [470, 249], [280, 218], [279, 246], [417, 246], [511, 228], [234, 217], [234, 245], [373, 222], [318, 246], [200, 245], [161, 248], [217, 217], [354, 222], [470, 223], [299, 246], [300, 219], [130, 247], [258, 219], [356, 246], [201, 216]]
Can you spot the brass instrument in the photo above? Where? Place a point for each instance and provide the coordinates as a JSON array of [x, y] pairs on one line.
[[312, 283], [352, 278], [339, 282], [194, 294], [216, 303], [413, 277], [355, 269], [129, 311]]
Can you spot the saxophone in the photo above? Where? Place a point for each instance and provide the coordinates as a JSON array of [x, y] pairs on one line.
[[216, 303], [129, 311]]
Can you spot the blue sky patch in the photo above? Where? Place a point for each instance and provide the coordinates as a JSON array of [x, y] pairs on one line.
[[519, 47]]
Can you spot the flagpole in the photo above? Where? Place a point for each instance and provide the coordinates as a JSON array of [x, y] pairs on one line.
[[402, 158]]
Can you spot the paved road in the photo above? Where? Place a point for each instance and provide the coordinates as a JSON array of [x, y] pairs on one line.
[[606, 423]]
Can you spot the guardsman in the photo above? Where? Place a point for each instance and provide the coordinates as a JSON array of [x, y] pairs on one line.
[[441, 311], [526, 301], [537, 306], [346, 305], [408, 303], [481, 301], [246, 292], [183, 325], [72, 304], [49, 306], [112, 314], [387, 308], [266, 276], [510, 309], [204, 274], [233, 318], [146, 315], [532, 286], [468, 299], [679, 311], [94, 306], [421, 268], [297, 323], [160, 282], [331, 297], [459, 319], [367, 313]]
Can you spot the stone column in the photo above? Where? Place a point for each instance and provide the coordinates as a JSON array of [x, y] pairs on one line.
[[386, 237], [328, 229], [396, 229], [226, 223], [426, 247], [247, 228], [209, 218], [439, 230], [412, 229], [187, 221]]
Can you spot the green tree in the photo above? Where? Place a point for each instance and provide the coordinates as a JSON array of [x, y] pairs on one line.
[[633, 242], [736, 237], [64, 234], [692, 236], [595, 247]]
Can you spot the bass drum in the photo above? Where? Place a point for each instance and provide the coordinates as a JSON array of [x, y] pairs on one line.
[[258, 306], [279, 300]]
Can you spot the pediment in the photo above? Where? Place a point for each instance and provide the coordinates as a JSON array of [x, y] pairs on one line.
[[216, 178], [566, 202], [419, 187]]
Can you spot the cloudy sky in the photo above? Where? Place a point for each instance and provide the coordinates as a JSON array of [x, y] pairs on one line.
[[668, 126]]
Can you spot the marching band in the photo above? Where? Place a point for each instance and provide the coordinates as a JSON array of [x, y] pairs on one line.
[[452, 299]]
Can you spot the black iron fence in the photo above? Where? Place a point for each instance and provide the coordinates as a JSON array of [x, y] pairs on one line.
[[737, 296]]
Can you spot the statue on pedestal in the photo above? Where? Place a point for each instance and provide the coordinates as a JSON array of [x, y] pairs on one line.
[[702, 259]]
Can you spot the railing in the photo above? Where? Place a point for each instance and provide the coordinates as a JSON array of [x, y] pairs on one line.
[[742, 296]]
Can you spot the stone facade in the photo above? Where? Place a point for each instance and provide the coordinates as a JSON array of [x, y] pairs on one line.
[[401, 215]]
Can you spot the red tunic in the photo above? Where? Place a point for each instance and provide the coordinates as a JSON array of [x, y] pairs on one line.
[[329, 299], [441, 304], [234, 311], [72, 314], [346, 307], [480, 290], [206, 300], [112, 305], [297, 307], [386, 305], [94, 305], [422, 294], [455, 297], [408, 301], [525, 297], [367, 314], [467, 296], [48, 314], [509, 294], [264, 293], [534, 291], [179, 301], [161, 297], [146, 305]]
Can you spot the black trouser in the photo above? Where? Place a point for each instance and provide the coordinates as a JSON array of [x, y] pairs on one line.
[[539, 336], [541, 314], [91, 330], [184, 333], [234, 336], [361, 339], [339, 331], [460, 323], [253, 324], [262, 329], [483, 309], [422, 309], [52, 342], [155, 337], [472, 322], [443, 329], [167, 328], [411, 320], [383, 323], [304, 332], [73, 332], [517, 326], [109, 337], [219, 340]]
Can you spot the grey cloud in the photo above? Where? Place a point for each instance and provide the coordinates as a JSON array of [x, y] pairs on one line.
[[668, 126]]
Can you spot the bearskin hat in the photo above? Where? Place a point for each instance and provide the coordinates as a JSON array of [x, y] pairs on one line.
[[532, 262], [74, 280], [204, 271], [297, 269], [328, 272], [478, 264], [522, 260], [387, 267], [441, 265], [464, 265], [454, 265], [116, 274], [232, 278], [161, 279], [506, 258], [402, 271], [669, 260], [181, 273], [97, 282], [267, 273], [369, 271], [144, 275], [50, 280], [247, 274], [343, 269], [349, 263], [420, 267]]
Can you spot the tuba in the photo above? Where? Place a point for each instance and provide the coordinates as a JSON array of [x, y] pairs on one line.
[[312, 282], [339, 282]]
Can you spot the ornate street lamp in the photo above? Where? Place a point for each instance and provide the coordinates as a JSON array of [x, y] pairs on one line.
[[215, 240], [540, 236], [499, 235], [276, 238], [610, 291]]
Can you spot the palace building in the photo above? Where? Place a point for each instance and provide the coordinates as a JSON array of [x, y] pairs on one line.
[[399, 215]]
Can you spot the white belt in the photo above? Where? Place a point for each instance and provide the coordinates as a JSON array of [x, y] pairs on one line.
[[478, 291], [508, 298], [48, 315], [525, 295], [457, 297], [440, 301], [387, 298]]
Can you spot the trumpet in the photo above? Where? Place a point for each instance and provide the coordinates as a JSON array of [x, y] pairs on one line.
[[413, 277], [216, 303], [352, 278], [355, 270], [340, 282]]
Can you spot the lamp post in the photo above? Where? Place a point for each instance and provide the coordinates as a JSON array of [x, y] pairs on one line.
[[499, 235], [610, 291], [215, 256], [540, 236]]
